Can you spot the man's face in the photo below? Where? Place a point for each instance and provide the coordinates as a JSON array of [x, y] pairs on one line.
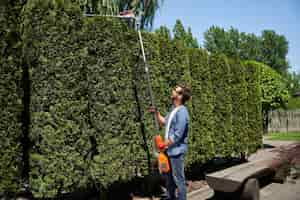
[[176, 93]]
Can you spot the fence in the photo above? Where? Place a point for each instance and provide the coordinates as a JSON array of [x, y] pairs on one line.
[[284, 121]]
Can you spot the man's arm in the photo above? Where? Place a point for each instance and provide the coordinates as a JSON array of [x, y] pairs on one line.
[[160, 118]]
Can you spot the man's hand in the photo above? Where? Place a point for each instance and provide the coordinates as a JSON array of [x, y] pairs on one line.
[[160, 143], [160, 118], [168, 143], [164, 145], [153, 109]]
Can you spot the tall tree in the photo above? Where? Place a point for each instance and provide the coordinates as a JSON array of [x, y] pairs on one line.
[[190, 40], [101, 7], [250, 47], [145, 8], [183, 36], [179, 31], [233, 39], [215, 40], [274, 50], [269, 48], [164, 32]]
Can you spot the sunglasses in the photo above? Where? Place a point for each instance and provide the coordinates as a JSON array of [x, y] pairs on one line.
[[178, 92]]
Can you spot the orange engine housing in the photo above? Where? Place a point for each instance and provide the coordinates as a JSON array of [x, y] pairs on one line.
[[163, 163], [158, 142], [163, 160]]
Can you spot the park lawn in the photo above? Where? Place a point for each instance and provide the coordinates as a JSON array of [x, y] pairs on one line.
[[294, 136]]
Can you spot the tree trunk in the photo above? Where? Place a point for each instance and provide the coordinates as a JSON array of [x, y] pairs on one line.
[[265, 121]]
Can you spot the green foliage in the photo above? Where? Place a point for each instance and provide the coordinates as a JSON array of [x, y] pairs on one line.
[[168, 66], [10, 98], [99, 6], [84, 125], [179, 31], [273, 87], [249, 47], [239, 105], [254, 107], [180, 35], [164, 32], [190, 41], [289, 136], [274, 50], [201, 135], [151, 44], [293, 82], [114, 7], [184, 37], [59, 130], [269, 48], [221, 77], [112, 107], [274, 92], [146, 8], [89, 99], [293, 103], [216, 40]]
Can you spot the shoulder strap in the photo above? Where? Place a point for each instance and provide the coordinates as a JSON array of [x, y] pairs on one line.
[[170, 120]]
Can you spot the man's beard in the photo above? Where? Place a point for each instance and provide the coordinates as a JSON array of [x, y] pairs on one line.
[[173, 98]]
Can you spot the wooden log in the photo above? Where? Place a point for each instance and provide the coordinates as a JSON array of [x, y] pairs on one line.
[[232, 179], [250, 190]]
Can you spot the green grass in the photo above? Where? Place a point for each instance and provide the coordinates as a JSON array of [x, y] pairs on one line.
[[293, 103], [294, 136]]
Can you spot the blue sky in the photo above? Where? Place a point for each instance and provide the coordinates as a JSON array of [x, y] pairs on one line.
[[250, 16]]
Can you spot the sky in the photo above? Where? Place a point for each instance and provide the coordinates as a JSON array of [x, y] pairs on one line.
[[250, 16]]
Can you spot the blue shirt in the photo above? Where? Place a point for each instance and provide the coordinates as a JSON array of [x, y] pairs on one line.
[[178, 132]]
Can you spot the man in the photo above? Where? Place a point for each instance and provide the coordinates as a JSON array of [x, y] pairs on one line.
[[176, 140]]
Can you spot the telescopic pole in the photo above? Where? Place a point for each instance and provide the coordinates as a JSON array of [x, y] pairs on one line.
[[148, 76]]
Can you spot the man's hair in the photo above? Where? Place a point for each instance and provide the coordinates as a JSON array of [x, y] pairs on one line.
[[186, 92]]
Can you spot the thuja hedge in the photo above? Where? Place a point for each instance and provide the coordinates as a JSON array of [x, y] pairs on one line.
[[254, 109], [59, 128], [201, 137], [84, 123], [239, 97], [112, 110], [222, 105], [167, 63], [89, 99], [10, 98]]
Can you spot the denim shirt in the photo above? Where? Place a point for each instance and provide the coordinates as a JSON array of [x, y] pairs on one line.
[[178, 132]]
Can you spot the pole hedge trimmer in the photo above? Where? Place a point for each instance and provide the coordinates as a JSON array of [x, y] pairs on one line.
[[159, 148]]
